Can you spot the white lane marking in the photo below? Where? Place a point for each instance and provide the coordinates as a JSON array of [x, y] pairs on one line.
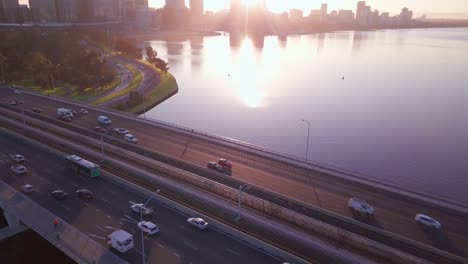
[[161, 246], [190, 245], [147, 238], [96, 236], [100, 228], [110, 227], [175, 254], [66, 207], [186, 228], [98, 210], [76, 185], [128, 221], [108, 216], [106, 201], [129, 217], [233, 252]]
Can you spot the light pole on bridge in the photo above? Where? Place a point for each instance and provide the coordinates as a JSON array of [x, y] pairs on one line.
[[305, 162]]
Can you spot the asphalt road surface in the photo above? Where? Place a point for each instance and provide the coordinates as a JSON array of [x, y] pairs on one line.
[[392, 213], [110, 210]]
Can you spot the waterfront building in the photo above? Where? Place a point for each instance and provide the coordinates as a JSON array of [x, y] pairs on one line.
[[175, 4], [196, 8], [43, 10], [9, 11], [323, 13], [361, 17], [345, 17]]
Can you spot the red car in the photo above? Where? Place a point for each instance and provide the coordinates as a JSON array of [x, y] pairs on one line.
[[100, 129], [225, 163]]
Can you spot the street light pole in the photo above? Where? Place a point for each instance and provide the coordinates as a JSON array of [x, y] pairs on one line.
[[308, 133], [239, 198], [305, 162], [141, 220]]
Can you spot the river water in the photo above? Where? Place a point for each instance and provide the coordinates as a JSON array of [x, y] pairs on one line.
[[391, 105]]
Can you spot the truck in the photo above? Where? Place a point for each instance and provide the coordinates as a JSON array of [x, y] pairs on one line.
[[120, 240], [63, 112]]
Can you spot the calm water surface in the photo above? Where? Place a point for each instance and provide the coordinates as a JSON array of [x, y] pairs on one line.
[[400, 115]]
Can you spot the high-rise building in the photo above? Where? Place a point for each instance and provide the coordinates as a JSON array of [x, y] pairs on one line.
[[196, 7], [323, 13], [43, 10], [9, 11], [140, 3], [175, 4]]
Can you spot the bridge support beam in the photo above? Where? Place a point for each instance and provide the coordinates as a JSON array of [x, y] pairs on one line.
[[14, 226]]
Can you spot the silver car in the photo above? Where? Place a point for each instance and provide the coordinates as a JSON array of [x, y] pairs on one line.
[[18, 169]]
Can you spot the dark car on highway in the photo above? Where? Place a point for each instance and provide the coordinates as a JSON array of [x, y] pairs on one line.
[[99, 129], [59, 194], [85, 194]]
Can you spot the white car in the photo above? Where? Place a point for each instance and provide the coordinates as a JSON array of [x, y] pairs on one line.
[[19, 169], [197, 222], [427, 221], [104, 120], [130, 138], [148, 227], [83, 111], [137, 208], [17, 91], [360, 206], [27, 188], [17, 158]]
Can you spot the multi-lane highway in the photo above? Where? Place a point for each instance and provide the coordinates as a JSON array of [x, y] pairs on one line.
[[392, 213], [110, 210]]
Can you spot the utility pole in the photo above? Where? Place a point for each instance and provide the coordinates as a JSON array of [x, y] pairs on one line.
[[141, 220], [239, 198]]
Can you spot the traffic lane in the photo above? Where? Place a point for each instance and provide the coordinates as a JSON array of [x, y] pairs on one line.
[[334, 193], [170, 222]]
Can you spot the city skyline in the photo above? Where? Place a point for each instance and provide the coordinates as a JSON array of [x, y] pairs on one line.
[[434, 8]]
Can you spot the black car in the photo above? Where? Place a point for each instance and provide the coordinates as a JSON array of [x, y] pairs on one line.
[[59, 194], [85, 194]]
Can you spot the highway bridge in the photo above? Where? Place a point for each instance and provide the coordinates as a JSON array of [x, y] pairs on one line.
[[279, 180]]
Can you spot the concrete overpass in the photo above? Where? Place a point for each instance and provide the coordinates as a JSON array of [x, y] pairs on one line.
[[205, 148]]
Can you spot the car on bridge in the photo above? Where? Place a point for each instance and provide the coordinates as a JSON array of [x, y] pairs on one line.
[[141, 208], [130, 138], [37, 110], [15, 102], [360, 206], [104, 120], [18, 158], [85, 194], [427, 221], [27, 188], [59, 194], [197, 222], [225, 163], [99, 129], [19, 169], [148, 227], [215, 166]]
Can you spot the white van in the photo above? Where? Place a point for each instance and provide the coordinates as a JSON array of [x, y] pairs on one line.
[[120, 240], [104, 120]]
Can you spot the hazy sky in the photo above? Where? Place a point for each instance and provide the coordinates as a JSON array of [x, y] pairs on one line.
[[392, 6]]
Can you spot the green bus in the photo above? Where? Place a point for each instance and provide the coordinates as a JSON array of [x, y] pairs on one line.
[[83, 167]]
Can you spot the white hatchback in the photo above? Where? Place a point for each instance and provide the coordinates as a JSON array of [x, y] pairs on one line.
[[17, 158], [427, 221], [137, 208], [197, 222], [360, 206], [148, 227], [27, 188], [19, 169], [104, 120], [130, 138]]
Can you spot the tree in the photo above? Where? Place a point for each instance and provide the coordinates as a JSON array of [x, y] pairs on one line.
[[39, 66], [162, 65], [151, 55], [2, 62]]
